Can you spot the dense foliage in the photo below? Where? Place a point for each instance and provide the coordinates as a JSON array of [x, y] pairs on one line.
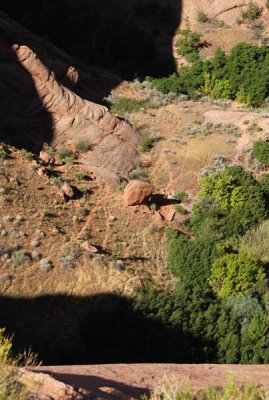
[[220, 302], [235, 274], [241, 75]]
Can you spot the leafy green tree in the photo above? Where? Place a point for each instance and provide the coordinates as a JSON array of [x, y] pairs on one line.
[[235, 274], [230, 202], [255, 340]]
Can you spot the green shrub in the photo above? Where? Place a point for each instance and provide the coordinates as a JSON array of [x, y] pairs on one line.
[[124, 105], [202, 17], [83, 189], [188, 43], [153, 207], [146, 143], [3, 154], [27, 154], [82, 145], [170, 84], [80, 176], [252, 12], [68, 160], [63, 153], [180, 195], [261, 151], [235, 274]]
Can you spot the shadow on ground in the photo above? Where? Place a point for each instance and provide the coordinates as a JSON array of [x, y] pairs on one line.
[[100, 329]]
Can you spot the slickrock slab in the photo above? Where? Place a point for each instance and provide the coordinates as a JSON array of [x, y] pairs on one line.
[[122, 381]]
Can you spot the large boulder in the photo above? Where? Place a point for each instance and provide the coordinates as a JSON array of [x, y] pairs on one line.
[[136, 192]]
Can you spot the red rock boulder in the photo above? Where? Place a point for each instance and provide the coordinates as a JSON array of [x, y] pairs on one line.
[[136, 192]]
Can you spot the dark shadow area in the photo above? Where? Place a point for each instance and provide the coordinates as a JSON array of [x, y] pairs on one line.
[[100, 329], [161, 200], [131, 38], [108, 41], [20, 125]]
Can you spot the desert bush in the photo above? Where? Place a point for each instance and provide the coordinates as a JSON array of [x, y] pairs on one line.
[[27, 154], [252, 12], [80, 176], [68, 262], [153, 207], [20, 257], [82, 145], [63, 153], [140, 174], [202, 17], [261, 151], [83, 189], [45, 264], [146, 143], [181, 195]]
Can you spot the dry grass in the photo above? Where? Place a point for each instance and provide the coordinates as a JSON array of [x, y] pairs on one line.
[[256, 242]]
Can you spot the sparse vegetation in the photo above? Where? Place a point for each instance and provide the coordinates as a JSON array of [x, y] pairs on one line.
[[252, 12], [230, 390], [122, 105]]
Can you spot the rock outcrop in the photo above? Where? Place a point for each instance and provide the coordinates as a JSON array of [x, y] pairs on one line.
[[136, 192], [123, 381], [114, 142]]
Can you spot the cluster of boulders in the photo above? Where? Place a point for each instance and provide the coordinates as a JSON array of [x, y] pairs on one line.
[[140, 192]]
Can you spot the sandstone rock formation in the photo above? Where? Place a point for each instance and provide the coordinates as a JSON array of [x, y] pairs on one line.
[[113, 140], [123, 381], [136, 192]]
